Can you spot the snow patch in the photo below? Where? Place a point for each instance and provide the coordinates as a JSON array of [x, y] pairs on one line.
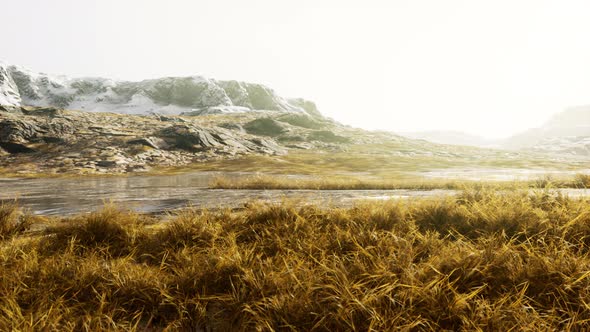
[[168, 95]]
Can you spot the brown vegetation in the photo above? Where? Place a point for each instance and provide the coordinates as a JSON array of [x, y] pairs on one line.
[[12, 221], [478, 261], [278, 182]]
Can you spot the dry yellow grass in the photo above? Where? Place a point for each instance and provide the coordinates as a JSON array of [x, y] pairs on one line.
[[12, 221], [478, 261], [265, 181]]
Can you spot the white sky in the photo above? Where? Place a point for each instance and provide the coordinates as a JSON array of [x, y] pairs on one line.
[[490, 67]]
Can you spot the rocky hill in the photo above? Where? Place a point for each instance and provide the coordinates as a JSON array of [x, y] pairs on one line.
[[450, 137], [51, 140], [567, 132], [54, 124], [169, 95]]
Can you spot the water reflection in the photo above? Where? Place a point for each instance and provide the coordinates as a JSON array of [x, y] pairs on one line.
[[65, 196]]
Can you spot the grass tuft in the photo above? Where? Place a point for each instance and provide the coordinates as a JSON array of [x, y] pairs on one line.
[[111, 230], [481, 260], [12, 220]]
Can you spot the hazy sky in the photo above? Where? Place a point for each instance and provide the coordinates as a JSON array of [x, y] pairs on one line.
[[486, 67]]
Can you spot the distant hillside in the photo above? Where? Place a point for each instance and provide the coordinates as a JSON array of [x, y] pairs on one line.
[[566, 132], [168, 95], [450, 137]]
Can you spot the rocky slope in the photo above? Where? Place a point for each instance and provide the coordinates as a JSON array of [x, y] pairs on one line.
[[54, 124], [47, 140], [52, 140], [9, 94], [567, 132], [120, 127], [170, 95], [450, 137]]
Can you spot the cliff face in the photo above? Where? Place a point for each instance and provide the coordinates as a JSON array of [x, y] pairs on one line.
[[169, 95]]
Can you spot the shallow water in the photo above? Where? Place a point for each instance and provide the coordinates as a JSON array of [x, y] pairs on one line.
[[499, 174], [156, 194]]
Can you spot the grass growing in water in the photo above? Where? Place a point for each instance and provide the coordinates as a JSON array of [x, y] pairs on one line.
[[477, 261], [264, 181]]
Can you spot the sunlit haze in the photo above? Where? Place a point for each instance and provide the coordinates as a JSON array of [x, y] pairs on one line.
[[490, 68]]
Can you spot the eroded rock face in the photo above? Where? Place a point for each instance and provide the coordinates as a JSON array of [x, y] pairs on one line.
[[268, 146], [9, 94], [237, 92], [60, 127], [190, 137], [15, 148], [194, 138], [152, 142], [309, 106], [19, 131], [232, 126], [81, 142], [193, 92], [194, 95]]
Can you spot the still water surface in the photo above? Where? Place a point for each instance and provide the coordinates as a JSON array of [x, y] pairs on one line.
[[155, 194], [152, 194]]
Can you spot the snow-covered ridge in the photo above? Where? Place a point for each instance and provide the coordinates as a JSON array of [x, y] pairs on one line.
[[9, 94], [169, 95]]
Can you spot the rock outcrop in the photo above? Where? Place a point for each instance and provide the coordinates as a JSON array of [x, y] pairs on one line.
[[193, 95], [9, 94], [81, 142], [265, 126], [309, 106]]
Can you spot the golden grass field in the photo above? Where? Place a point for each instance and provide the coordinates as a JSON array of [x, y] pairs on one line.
[[479, 261], [278, 182], [380, 161]]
